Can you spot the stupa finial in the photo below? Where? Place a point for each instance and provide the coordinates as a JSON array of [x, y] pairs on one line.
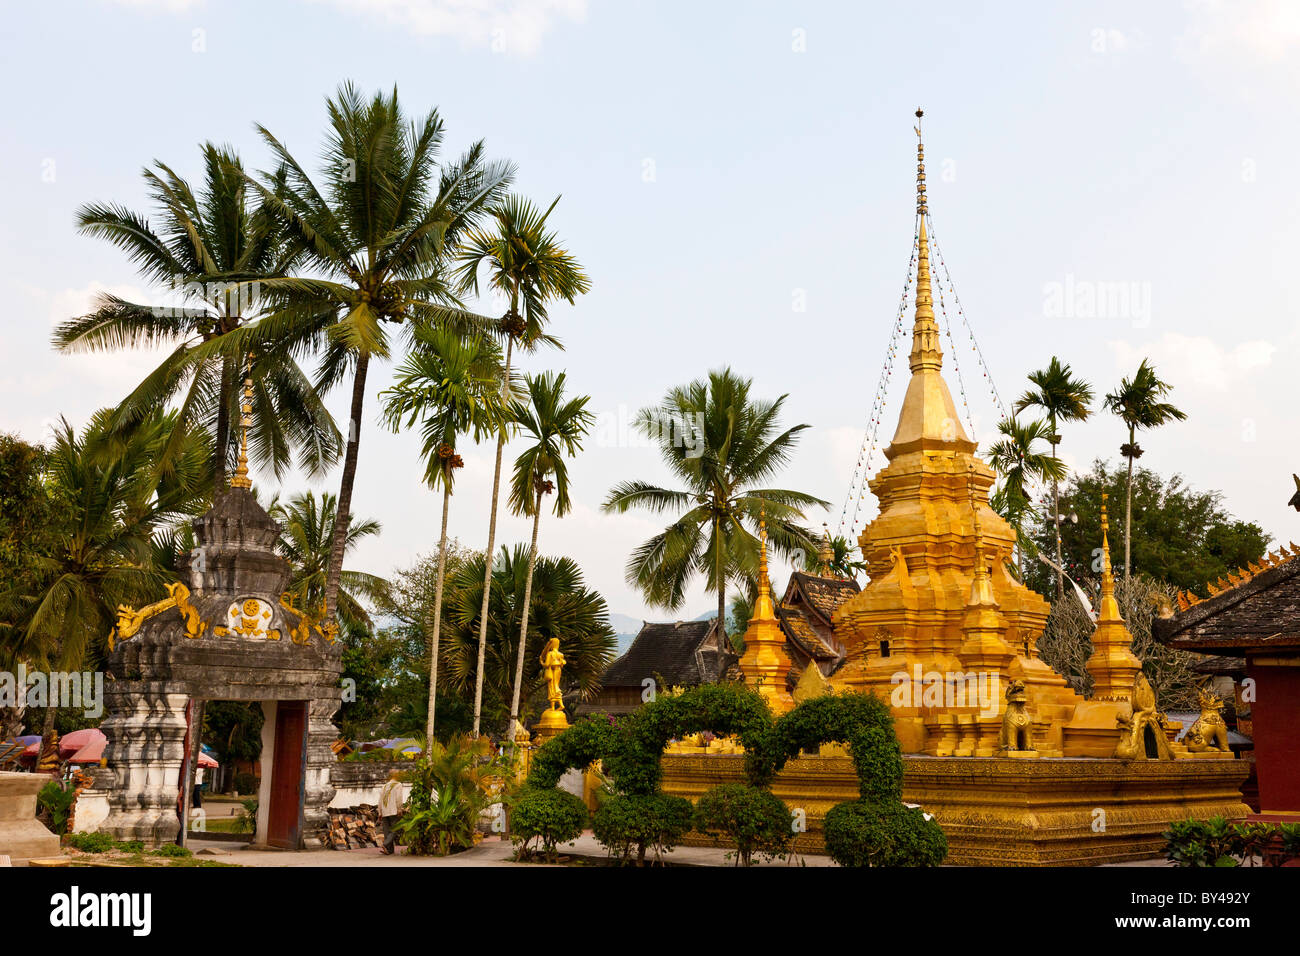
[[925, 334], [763, 602], [240, 478], [1109, 610]]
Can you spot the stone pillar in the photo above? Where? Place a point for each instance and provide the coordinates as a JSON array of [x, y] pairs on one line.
[[22, 836], [145, 727]]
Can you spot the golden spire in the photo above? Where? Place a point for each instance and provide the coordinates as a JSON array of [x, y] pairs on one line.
[[240, 478], [981, 587], [925, 334], [826, 554], [1109, 610], [928, 418], [763, 602]]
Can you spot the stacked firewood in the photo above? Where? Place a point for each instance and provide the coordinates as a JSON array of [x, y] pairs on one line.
[[353, 827]]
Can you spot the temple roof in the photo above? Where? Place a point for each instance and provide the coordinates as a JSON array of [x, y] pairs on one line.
[[1256, 608], [675, 654], [803, 635], [824, 595]]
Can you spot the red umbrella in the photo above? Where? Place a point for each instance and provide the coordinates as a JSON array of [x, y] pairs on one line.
[[206, 761], [92, 752], [78, 739]]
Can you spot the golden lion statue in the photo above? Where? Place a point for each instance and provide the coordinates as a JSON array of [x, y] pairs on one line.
[[1017, 726], [1209, 732]]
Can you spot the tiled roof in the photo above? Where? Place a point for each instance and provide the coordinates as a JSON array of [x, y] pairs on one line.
[[802, 634], [825, 595], [671, 653]]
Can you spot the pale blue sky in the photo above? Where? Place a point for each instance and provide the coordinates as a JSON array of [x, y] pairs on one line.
[[1092, 143]]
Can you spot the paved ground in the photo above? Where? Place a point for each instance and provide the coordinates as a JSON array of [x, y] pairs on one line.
[[493, 851]]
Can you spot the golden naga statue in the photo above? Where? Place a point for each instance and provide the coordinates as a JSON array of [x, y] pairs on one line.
[[1017, 726], [1209, 732], [552, 662], [129, 620], [1143, 733]]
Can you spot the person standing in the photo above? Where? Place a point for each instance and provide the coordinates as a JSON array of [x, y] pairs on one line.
[[390, 810]]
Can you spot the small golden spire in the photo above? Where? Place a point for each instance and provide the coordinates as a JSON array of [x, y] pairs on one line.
[[763, 610], [826, 554], [921, 209], [1109, 610], [240, 478]]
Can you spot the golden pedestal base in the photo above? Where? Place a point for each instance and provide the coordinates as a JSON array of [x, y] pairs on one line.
[[551, 723], [999, 811]]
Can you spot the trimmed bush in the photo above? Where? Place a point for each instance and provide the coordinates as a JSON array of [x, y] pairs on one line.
[[634, 822], [588, 740], [868, 833], [755, 819], [548, 815]]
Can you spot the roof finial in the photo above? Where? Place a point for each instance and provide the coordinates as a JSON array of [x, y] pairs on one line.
[[1109, 609], [240, 478]]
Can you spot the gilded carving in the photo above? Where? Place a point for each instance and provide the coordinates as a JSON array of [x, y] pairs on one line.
[[1209, 732], [1017, 726]]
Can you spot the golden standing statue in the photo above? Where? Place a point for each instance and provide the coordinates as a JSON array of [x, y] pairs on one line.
[[552, 661]]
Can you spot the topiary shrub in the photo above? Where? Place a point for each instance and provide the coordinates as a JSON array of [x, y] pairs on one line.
[[246, 784], [634, 822], [727, 709], [548, 815], [872, 833], [586, 741], [754, 819]]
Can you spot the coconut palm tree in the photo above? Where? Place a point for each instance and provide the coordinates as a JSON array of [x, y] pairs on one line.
[[1020, 463], [559, 605], [555, 426], [306, 542], [722, 445], [452, 385], [107, 508], [525, 264], [1063, 398], [210, 248], [1137, 401], [376, 238]]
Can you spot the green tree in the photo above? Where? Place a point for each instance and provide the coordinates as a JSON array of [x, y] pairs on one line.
[[1062, 398], [722, 445], [1138, 403], [526, 264], [1015, 457], [559, 605], [376, 240], [1182, 537], [554, 425], [212, 249], [306, 542], [108, 508], [453, 386]]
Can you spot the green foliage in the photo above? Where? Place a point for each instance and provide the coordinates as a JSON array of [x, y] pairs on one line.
[[451, 785], [722, 446], [631, 824], [91, 842], [726, 709], [753, 818], [1216, 842], [861, 721], [246, 783], [234, 729], [588, 740], [549, 816], [877, 833], [246, 819], [1181, 537], [54, 804], [172, 850]]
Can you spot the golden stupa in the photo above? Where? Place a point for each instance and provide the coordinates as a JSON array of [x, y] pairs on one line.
[[946, 634]]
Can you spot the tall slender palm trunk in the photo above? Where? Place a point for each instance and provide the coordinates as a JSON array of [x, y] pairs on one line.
[[488, 555], [437, 605], [343, 515], [191, 768], [1056, 519], [523, 615], [722, 588], [220, 450], [1128, 507]]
